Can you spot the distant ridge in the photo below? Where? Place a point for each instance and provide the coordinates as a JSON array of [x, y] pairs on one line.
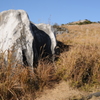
[[80, 22]]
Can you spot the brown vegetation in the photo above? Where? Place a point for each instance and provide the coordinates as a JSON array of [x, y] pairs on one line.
[[78, 62], [82, 61]]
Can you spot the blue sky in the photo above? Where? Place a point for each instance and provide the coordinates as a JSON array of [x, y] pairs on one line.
[[55, 11]]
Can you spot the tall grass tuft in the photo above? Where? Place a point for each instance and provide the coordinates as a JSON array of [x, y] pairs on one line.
[[20, 82]]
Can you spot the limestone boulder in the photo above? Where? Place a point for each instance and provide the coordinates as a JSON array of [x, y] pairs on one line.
[[25, 39]]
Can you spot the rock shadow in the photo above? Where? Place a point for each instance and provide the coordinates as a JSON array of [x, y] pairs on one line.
[[60, 48], [41, 45]]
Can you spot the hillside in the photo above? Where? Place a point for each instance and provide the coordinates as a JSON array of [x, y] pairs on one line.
[[78, 64], [73, 76]]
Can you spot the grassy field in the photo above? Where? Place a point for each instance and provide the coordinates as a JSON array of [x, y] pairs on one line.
[[78, 63], [82, 60]]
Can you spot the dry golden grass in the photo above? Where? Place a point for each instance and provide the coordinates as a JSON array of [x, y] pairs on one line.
[[81, 63], [78, 62], [21, 83]]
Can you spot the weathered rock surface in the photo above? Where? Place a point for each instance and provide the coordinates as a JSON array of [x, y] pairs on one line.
[[97, 94], [60, 30], [17, 33]]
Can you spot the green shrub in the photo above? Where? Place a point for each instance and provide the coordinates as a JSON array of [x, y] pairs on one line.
[[85, 22]]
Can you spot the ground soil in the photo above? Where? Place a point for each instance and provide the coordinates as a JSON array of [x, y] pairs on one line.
[[62, 91]]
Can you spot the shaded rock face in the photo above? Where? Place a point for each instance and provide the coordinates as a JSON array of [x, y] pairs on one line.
[[44, 39], [25, 39]]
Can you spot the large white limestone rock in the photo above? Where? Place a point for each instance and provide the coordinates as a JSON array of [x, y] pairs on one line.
[[24, 38], [15, 32]]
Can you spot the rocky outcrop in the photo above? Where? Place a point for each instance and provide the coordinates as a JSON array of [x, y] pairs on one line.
[[59, 30], [23, 38], [97, 94]]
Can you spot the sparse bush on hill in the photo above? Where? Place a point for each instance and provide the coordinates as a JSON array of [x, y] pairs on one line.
[[84, 22], [81, 22]]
